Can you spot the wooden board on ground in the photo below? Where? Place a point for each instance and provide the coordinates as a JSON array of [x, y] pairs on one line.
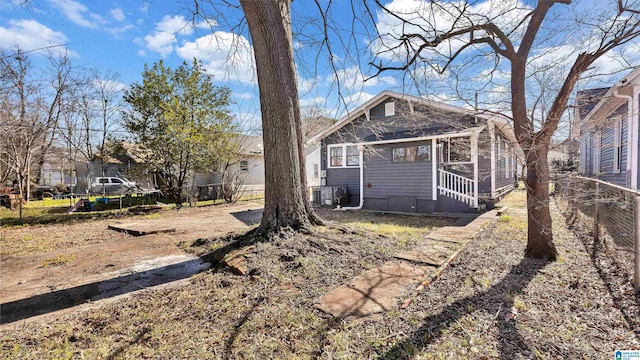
[[136, 229]]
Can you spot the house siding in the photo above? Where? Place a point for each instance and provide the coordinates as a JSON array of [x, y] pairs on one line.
[[607, 149], [386, 190], [349, 177], [408, 186]]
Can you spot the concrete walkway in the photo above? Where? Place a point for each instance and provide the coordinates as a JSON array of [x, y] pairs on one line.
[[379, 289]]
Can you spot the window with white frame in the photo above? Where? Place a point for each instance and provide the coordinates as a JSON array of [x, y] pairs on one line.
[[353, 157], [411, 154], [617, 147], [390, 108], [507, 159], [344, 156], [316, 170]]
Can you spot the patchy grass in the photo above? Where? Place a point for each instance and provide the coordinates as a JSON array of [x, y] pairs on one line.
[[405, 229], [517, 199], [61, 259], [491, 303]]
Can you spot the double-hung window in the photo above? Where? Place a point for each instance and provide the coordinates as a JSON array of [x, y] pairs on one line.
[[597, 139], [344, 156], [411, 154]]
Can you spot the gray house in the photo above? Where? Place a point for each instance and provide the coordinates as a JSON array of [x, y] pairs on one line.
[[608, 132], [403, 153]]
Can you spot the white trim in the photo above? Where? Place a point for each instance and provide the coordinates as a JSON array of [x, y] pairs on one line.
[[390, 108], [423, 138], [612, 92], [378, 99], [506, 160], [344, 156], [634, 141], [617, 146], [361, 160], [493, 159], [474, 158], [434, 168]]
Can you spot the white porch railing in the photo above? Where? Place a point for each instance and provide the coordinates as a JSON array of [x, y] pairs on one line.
[[457, 187]]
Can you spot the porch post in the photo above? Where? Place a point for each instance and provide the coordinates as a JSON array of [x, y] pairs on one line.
[[492, 135], [474, 158], [434, 169]]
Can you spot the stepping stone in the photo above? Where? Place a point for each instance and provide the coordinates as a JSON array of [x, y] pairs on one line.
[[374, 291], [431, 257], [137, 229]]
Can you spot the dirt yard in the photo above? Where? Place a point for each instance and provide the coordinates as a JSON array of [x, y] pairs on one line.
[[39, 261]]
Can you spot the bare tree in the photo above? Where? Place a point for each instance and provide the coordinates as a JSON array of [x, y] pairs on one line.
[[31, 109], [450, 37]]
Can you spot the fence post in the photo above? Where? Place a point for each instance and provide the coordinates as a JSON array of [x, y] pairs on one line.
[[595, 213], [636, 243]]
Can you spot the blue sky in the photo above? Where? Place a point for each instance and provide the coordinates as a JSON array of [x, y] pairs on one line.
[[124, 35]]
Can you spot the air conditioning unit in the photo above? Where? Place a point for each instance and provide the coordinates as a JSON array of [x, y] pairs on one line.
[[330, 195]]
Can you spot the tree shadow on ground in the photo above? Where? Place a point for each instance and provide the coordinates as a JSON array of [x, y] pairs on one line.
[[498, 301], [613, 276], [62, 299]]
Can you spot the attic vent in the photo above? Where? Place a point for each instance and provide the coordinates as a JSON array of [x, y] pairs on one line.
[[390, 108]]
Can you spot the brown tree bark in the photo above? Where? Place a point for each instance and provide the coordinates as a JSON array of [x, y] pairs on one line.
[[540, 234], [286, 199]]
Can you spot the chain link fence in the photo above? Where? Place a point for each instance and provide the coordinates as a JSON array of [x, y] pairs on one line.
[[606, 211], [16, 211]]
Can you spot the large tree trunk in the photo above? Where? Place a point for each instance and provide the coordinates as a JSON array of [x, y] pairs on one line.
[[540, 236], [286, 202]]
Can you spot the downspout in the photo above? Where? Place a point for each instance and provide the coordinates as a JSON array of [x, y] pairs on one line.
[[361, 158], [630, 136], [635, 130]]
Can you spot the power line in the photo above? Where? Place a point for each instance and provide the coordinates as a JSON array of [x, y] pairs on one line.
[[34, 50]]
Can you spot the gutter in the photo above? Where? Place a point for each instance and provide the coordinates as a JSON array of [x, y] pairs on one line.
[[361, 158]]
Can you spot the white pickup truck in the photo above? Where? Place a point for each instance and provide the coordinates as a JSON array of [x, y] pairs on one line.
[[111, 185]]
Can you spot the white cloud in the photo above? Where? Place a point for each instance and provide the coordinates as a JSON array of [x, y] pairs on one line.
[[31, 35], [160, 42], [117, 31], [227, 56], [352, 79], [164, 36], [244, 96], [117, 14], [144, 8], [316, 101], [174, 25], [356, 99], [78, 13]]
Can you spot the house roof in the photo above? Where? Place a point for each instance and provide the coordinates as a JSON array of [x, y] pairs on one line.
[[250, 145], [586, 100], [611, 99], [501, 122]]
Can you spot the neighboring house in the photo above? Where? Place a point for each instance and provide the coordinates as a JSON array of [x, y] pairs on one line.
[[248, 171], [312, 165], [608, 132], [127, 163], [404, 153]]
